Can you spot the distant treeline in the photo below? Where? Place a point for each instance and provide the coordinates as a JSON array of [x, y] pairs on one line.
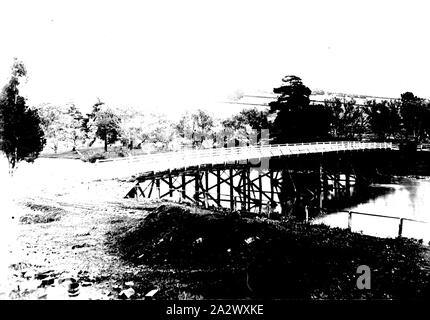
[[27, 130], [293, 119], [297, 120], [66, 128]]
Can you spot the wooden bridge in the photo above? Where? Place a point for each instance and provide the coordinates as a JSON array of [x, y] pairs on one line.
[[176, 160], [249, 178]]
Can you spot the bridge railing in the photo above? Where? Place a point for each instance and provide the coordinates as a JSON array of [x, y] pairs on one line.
[[292, 148], [128, 166]]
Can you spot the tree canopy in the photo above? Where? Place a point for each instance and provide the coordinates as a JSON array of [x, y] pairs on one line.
[[384, 118], [296, 120], [196, 126], [22, 136], [108, 127], [415, 115], [347, 120], [245, 127]]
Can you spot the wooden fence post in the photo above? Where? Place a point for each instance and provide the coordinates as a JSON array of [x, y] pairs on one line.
[[400, 227], [349, 220]]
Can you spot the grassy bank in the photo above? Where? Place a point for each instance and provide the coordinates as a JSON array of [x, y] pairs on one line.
[[91, 154], [227, 256]]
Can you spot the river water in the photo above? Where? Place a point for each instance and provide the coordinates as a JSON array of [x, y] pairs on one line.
[[407, 198]]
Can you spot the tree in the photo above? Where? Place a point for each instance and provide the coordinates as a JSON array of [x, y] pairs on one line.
[[414, 116], [245, 124], [89, 126], [74, 125], [383, 118], [61, 124], [248, 117], [195, 126], [132, 123], [347, 120], [102, 123], [296, 120], [51, 117], [21, 134], [108, 127], [157, 130]]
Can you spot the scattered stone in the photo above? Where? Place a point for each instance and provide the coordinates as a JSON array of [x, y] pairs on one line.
[[127, 294], [249, 240], [116, 287], [73, 289], [42, 296], [67, 281], [92, 278], [150, 294], [78, 246], [83, 234], [129, 284], [47, 281], [43, 275]]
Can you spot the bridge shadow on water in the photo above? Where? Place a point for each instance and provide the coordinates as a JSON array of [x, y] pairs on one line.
[[363, 195]]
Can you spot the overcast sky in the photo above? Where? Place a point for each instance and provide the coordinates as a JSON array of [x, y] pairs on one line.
[[187, 54]]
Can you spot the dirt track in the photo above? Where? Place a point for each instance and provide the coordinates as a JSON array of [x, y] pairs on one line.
[[52, 232]]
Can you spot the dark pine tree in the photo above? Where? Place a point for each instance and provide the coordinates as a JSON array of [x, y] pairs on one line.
[[296, 120]]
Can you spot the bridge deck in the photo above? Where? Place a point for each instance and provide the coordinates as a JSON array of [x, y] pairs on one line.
[[129, 166]]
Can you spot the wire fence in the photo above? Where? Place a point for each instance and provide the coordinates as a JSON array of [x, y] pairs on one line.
[[400, 219]]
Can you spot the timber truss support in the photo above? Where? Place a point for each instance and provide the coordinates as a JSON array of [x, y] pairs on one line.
[[238, 187], [242, 187]]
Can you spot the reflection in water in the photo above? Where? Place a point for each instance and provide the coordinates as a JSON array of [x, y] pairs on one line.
[[409, 198]]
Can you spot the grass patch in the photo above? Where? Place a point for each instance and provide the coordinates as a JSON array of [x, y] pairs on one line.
[[41, 214], [93, 154]]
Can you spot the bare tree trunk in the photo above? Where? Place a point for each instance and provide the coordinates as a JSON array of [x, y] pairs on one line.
[[92, 142]]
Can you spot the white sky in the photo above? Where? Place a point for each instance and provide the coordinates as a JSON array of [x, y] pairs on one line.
[[188, 54]]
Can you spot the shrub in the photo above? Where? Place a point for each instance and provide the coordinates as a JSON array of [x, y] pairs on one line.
[[97, 156]]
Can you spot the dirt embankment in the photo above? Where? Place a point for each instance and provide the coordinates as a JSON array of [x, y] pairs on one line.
[[105, 248], [228, 256]]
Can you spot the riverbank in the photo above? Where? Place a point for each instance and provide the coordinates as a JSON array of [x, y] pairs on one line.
[[189, 253], [224, 256], [85, 231]]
